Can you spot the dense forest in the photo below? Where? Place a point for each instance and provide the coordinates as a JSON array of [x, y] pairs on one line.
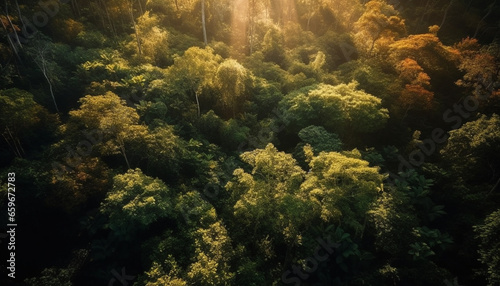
[[250, 142]]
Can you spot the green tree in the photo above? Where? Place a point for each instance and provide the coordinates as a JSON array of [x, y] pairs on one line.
[[160, 151], [109, 117], [21, 118], [480, 66], [273, 47], [213, 254], [342, 187], [158, 275], [432, 54], [319, 139], [72, 190], [233, 81], [342, 109], [379, 23], [135, 201], [194, 71], [268, 199], [416, 94], [472, 150], [154, 39], [42, 52], [489, 247], [60, 276]]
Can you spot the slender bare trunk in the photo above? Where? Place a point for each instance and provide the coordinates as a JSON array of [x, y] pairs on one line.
[[44, 71], [140, 7], [42, 64], [445, 14], [135, 29], [11, 43], [203, 22], [197, 103], [490, 9], [494, 187], [111, 24], [16, 142], [122, 148], [77, 8], [19, 13], [251, 13], [11, 141], [14, 48]]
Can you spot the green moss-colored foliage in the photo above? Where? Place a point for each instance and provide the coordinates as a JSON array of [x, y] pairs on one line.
[[219, 142], [319, 139], [136, 200], [472, 150], [23, 122], [342, 109], [342, 187], [488, 234], [268, 199]]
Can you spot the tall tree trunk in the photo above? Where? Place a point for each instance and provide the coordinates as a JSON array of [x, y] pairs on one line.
[[490, 9], [111, 24], [197, 102], [419, 22], [44, 71], [445, 13], [140, 7], [251, 20], [11, 43], [13, 30], [77, 8], [135, 28], [122, 148], [19, 13], [14, 144], [42, 64], [494, 187], [97, 10], [203, 22]]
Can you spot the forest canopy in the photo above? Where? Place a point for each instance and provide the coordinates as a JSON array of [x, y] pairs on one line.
[[250, 142]]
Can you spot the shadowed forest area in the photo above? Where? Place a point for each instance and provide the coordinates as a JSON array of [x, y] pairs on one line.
[[250, 142]]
